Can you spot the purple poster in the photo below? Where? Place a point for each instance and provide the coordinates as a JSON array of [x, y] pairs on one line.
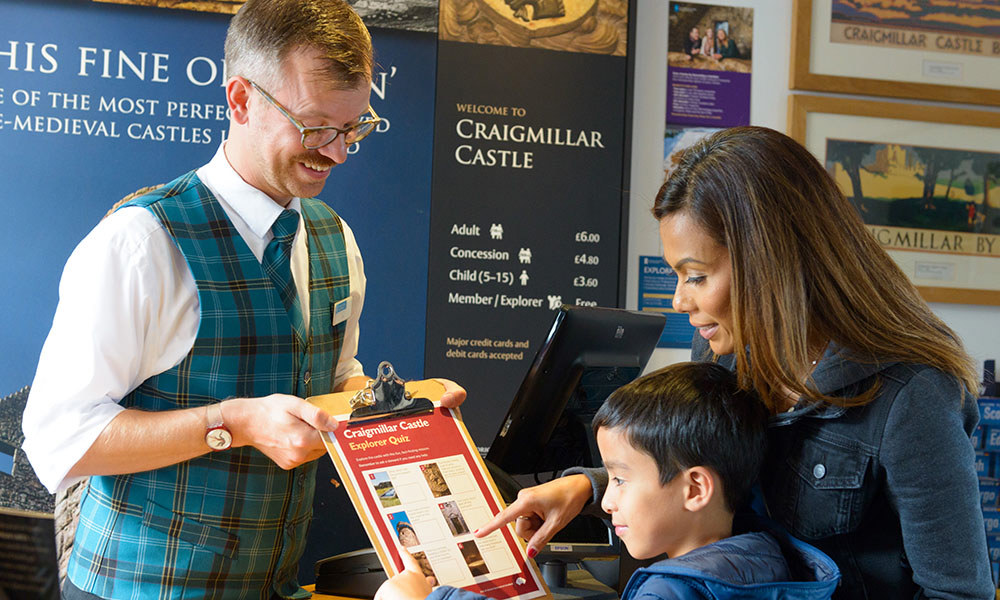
[[709, 51]]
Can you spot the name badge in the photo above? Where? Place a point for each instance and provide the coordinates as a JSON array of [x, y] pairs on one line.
[[340, 311]]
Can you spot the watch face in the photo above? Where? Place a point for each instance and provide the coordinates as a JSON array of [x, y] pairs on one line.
[[219, 438]]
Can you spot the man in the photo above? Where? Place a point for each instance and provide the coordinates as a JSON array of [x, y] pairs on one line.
[[192, 322]]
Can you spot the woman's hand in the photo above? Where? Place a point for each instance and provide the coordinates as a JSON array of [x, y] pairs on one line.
[[541, 511], [409, 584]]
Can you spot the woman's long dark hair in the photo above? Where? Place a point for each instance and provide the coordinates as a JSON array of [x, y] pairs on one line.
[[805, 271]]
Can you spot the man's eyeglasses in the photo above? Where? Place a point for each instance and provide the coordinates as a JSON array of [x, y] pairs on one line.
[[317, 137]]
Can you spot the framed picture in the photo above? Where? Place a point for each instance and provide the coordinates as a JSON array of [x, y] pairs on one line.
[[926, 181], [923, 49], [217, 6]]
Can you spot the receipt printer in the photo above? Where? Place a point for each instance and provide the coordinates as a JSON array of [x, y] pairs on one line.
[[356, 574]]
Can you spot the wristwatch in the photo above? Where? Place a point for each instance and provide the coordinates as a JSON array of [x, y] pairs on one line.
[[217, 435]]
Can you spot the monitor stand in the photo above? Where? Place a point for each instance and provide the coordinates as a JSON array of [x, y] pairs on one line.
[[573, 582]]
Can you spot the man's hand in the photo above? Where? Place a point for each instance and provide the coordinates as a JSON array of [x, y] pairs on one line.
[[454, 394], [541, 511], [285, 428], [410, 584]]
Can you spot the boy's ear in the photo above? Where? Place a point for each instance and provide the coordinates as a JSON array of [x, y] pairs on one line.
[[699, 488]]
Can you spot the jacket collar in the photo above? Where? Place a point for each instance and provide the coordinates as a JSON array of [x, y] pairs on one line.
[[837, 370], [841, 367], [762, 554]]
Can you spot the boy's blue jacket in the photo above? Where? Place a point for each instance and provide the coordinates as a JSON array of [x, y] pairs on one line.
[[750, 565], [742, 567]]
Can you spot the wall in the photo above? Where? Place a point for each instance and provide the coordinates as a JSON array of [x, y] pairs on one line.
[[976, 325]]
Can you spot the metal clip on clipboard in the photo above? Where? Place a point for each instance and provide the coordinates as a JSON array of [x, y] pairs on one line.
[[385, 397]]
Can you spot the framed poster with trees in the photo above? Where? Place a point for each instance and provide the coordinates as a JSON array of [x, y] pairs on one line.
[[925, 180]]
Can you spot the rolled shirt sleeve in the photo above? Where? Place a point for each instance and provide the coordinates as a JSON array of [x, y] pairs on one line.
[[128, 309]]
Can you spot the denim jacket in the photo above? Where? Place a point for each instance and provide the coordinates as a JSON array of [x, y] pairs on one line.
[[888, 490]]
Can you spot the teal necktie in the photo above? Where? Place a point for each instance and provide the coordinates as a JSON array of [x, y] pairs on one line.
[[277, 265]]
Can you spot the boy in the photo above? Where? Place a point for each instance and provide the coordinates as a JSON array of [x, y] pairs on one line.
[[683, 447]]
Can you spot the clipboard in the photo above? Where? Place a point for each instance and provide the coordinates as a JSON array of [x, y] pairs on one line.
[[418, 483]]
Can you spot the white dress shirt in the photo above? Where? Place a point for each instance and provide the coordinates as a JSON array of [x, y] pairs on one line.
[[128, 309]]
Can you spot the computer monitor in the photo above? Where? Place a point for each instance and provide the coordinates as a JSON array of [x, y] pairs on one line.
[[589, 353]]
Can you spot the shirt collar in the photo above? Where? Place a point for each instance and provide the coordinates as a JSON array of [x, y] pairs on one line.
[[253, 206]]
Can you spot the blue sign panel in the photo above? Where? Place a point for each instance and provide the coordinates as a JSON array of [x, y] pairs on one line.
[[657, 282]]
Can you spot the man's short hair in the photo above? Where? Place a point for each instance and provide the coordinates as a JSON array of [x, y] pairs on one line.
[[693, 414], [264, 32]]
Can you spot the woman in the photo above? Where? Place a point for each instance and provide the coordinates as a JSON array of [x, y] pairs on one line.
[[869, 455], [708, 43], [725, 47]]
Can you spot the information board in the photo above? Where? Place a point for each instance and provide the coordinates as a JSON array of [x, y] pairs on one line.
[[526, 209], [657, 283]]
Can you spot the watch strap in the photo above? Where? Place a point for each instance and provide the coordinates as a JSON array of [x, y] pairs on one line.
[[213, 414], [217, 435]]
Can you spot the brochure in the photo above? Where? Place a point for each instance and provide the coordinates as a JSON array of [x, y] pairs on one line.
[[419, 484]]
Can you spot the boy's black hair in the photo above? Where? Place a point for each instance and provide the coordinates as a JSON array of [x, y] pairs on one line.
[[693, 414]]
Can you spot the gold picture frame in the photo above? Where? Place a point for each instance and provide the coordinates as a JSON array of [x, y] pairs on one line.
[[883, 70], [228, 7], [945, 232]]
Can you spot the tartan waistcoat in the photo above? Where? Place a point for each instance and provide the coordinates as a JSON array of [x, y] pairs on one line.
[[228, 524]]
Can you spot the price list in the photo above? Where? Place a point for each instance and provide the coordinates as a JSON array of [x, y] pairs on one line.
[[495, 287], [511, 241]]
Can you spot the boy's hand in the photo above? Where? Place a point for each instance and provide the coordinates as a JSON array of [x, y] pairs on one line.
[[410, 584]]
